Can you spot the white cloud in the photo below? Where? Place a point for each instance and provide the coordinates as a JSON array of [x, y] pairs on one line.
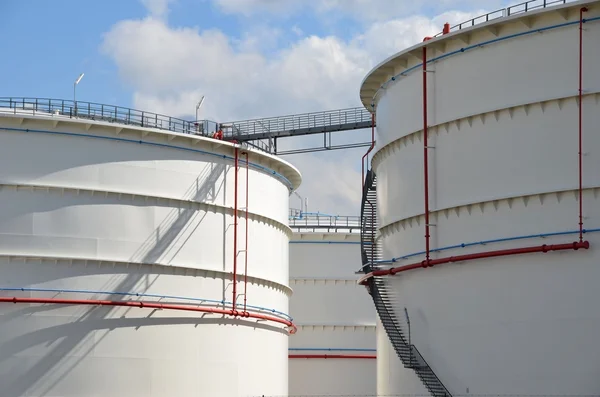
[[157, 8], [297, 31], [253, 7], [330, 183], [170, 68]]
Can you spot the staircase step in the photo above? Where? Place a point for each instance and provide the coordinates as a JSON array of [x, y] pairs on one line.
[[384, 298]]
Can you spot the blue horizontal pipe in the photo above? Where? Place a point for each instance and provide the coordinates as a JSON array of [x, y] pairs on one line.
[[111, 138], [484, 242], [330, 349], [86, 291], [470, 47]]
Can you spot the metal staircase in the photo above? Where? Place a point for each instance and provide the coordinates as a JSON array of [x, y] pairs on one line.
[[382, 294]]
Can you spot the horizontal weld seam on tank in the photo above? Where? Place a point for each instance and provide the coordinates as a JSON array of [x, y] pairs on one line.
[[257, 280], [334, 356], [148, 305], [201, 300], [112, 138], [382, 228], [470, 47], [283, 226], [380, 152], [484, 242]]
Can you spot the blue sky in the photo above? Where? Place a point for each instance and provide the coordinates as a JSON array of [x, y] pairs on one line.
[[52, 42], [250, 58], [61, 39]]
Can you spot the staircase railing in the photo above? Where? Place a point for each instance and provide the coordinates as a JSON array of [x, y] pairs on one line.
[[382, 294]]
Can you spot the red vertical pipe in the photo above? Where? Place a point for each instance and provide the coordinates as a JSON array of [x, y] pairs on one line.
[[425, 154], [246, 253], [235, 222], [581, 11]]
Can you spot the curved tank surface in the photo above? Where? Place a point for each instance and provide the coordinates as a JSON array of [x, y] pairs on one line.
[[333, 352], [117, 256], [490, 221]]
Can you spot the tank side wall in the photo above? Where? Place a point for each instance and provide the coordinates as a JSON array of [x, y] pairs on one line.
[[333, 312], [98, 218], [143, 352], [158, 167], [509, 171], [515, 70]]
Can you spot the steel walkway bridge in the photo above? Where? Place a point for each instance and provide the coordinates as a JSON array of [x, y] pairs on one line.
[[260, 133], [265, 132]]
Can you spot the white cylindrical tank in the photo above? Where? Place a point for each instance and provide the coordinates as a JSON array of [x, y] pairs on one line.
[[503, 121], [333, 352], [99, 208]]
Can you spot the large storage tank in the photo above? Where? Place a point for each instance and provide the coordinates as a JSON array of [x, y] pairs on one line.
[[503, 115], [333, 352], [108, 209]]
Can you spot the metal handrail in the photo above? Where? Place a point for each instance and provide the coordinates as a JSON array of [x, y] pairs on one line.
[[299, 219], [505, 12], [106, 113], [232, 131], [407, 352], [298, 121]]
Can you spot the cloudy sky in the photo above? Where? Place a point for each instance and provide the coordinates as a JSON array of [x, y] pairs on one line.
[[250, 58]]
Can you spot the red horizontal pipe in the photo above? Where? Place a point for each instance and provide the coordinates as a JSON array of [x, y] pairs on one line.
[[148, 305], [349, 356], [479, 255]]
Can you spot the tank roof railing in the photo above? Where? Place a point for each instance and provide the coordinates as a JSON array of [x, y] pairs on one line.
[[527, 6], [107, 113], [254, 132], [317, 221], [113, 114]]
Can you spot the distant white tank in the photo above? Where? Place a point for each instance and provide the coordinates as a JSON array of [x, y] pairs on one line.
[[519, 316], [333, 352], [104, 207]]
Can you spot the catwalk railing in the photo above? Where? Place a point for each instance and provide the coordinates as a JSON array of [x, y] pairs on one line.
[[319, 221], [527, 6], [260, 134], [107, 113], [382, 295], [299, 124]]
